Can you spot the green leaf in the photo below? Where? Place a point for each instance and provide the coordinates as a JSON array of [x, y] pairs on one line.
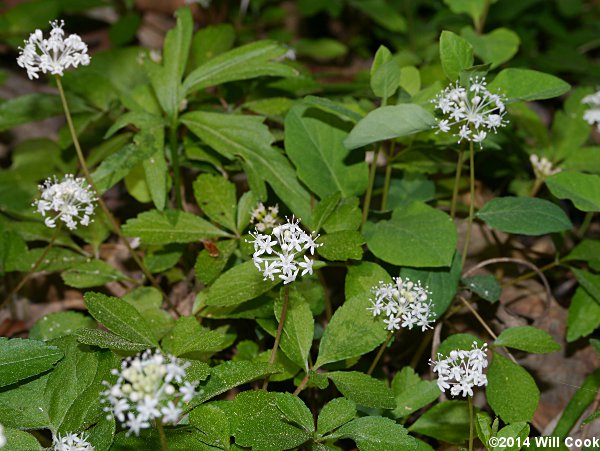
[[458, 342], [295, 411], [411, 392], [518, 431], [211, 41], [73, 390], [24, 406], [216, 196], [589, 281], [120, 318], [495, 47], [247, 138], [20, 440], [323, 210], [447, 421], [171, 226], [416, 235], [352, 331], [373, 433], [363, 389], [485, 286], [389, 122], [314, 143], [163, 258], [583, 317], [108, 340], [442, 283], [92, 273], [189, 337], [410, 80], [483, 426], [20, 359], [474, 8], [587, 250], [581, 400], [257, 422], [382, 13], [117, 165], [166, 78], [341, 246], [209, 267], [527, 85], [334, 414], [527, 338], [581, 189], [148, 301], [346, 216], [385, 74], [511, 391], [183, 438], [456, 54], [101, 436], [28, 108], [320, 49], [298, 328], [249, 61], [410, 188], [524, 215], [240, 284], [213, 423], [59, 324]]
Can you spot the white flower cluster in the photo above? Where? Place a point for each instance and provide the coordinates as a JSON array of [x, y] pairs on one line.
[[278, 256], [542, 167], [470, 114], [461, 370], [69, 200], [265, 218], [405, 304], [54, 54], [145, 391], [592, 116], [2, 436], [72, 442]]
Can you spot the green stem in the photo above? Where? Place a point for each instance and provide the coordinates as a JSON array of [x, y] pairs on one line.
[[161, 433], [459, 164], [88, 176], [388, 178], [302, 385], [175, 162], [536, 187], [471, 203], [367, 202], [286, 298], [480, 23], [587, 220], [380, 353], [471, 423]]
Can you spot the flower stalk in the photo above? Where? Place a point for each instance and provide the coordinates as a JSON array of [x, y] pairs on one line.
[[471, 203], [382, 348]]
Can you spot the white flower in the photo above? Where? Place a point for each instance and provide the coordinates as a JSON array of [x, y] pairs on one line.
[[283, 255], [71, 442], [461, 370], [54, 54], [70, 200], [592, 116], [2, 437], [470, 114], [265, 218], [405, 303], [144, 391], [542, 167]]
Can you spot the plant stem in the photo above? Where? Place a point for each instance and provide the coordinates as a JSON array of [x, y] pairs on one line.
[[286, 298], [88, 176], [161, 433], [388, 176], [367, 201], [480, 22], [175, 161], [35, 266], [301, 386], [471, 422], [587, 220], [456, 183], [380, 353], [536, 187], [471, 203]]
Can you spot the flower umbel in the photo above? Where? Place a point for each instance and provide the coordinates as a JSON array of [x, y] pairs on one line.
[[71, 442], [461, 370], [542, 167], [265, 218], [279, 256], [149, 387], [592, 116], [70, 200], [470, 113], [54, 54], [405, 304]]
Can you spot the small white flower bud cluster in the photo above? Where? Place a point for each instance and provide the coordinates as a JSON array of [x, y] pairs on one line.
[[461, 370], [150, 386], [265, 218], [542, 167], [405, 304], [470, 114], [72, 442], [70, 200], [592, 116], [54, 54], [278, 256]]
